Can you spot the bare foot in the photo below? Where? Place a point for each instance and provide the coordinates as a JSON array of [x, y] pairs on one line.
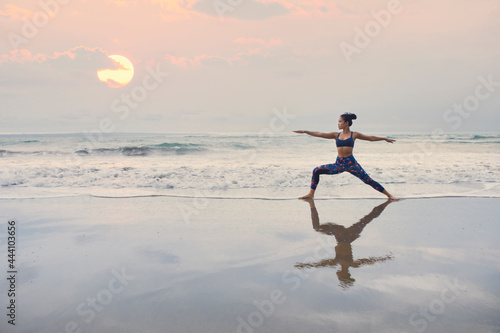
[[390, 196], [309, 195]]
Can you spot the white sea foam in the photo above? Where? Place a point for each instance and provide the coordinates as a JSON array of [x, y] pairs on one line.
[[243, 166]]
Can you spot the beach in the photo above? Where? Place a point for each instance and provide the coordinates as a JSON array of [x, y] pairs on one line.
[[158, 163], [170, 264], [204, 233]]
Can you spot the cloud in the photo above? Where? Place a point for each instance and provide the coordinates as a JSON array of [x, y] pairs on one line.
[[20, 56], [14, 12], [257, 55], [241, 59], [175, 9], [76, 65], [349, 9], [314, 8], [199, 61], [259, 41], [120, 3], [242, 9], [80, 57]]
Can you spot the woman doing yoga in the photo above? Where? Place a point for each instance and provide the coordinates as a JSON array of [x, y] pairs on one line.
[[345, 161]]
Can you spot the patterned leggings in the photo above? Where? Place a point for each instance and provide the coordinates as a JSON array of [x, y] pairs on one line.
[[348, 164]]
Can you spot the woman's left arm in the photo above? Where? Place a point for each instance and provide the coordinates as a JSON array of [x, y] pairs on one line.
[[360, 136]]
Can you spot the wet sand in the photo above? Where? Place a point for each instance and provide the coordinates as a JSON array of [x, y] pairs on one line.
[[159, 264]]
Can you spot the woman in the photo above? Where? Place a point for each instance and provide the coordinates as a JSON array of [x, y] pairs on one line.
[[345, 161]]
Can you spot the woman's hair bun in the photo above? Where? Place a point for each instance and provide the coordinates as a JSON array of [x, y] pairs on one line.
[[349, 117]]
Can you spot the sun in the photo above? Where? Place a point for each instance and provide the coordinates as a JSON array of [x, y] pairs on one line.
[[119, 77]]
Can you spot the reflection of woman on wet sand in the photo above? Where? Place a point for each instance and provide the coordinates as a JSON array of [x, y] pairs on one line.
[[343, 250]]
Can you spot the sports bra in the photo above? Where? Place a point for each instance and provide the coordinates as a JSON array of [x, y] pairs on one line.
[[344, 143]]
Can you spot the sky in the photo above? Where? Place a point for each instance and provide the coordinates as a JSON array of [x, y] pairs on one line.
[[248, 65]]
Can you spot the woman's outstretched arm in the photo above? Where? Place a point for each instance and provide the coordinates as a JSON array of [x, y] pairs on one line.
[[331, 135], [360, 136]]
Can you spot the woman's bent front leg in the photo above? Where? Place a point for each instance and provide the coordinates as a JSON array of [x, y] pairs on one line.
[[326, 169]]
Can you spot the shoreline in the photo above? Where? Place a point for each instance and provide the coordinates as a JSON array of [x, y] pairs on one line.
[[337, 192]]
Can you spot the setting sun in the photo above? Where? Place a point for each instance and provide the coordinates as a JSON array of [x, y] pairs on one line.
[[116, 78]]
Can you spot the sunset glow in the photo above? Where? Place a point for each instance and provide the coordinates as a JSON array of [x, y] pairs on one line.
[[223, 65]]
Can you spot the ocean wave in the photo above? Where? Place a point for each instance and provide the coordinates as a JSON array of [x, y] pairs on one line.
[[146, 150], [137, 176], [135, 151], [449, 138], [468, 138], [5, 153], [170, 149], [164, 148], [480, 137], [177, 145], [18, 141]]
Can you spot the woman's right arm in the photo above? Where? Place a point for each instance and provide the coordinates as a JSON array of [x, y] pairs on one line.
[[331, 135]]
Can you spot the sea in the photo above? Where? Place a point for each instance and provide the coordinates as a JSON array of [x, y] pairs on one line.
[[243, 165]]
